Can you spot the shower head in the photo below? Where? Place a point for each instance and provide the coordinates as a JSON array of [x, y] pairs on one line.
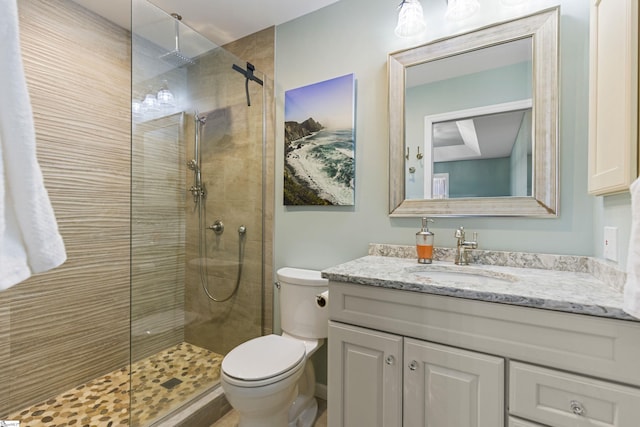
[[176, 57]]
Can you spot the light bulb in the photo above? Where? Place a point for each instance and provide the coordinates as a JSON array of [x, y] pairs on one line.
[[150, 103], [457, 10], [165, 97], [136, 106], [410, 19]]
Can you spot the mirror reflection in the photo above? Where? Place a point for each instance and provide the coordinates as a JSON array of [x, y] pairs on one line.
[[470, 114], [473, 122]]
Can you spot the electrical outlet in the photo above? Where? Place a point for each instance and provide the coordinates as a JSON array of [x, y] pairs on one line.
[[611, 243]]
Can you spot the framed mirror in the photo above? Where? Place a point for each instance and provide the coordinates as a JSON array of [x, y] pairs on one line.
[[473, 122]]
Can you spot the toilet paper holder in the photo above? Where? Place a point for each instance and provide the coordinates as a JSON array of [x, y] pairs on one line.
[[322, 299]]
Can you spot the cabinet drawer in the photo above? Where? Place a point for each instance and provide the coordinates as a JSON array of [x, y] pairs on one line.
[[515, 422], [561, 399]]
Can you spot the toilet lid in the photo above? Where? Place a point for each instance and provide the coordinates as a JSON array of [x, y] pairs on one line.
[[263, 357]]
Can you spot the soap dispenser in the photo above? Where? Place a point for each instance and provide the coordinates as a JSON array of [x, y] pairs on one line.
[[424, 243]]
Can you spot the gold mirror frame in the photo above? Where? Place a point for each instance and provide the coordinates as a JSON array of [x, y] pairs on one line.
[[542, 28]]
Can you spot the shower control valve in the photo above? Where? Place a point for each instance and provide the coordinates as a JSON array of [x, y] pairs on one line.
[[217, 227]]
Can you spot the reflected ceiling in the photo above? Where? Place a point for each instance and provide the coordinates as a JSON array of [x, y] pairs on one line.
[[493, 134]]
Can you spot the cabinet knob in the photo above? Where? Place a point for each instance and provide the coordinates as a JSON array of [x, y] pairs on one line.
[[577, 408], [413, 365], [390, 360]]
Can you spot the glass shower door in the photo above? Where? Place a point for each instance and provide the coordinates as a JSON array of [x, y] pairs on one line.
[[197, 282]]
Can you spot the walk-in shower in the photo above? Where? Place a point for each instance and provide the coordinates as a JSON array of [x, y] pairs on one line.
[[197, 200], [123, 333]]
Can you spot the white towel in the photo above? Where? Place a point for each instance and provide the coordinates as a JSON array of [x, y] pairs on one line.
[[632, 287], [29, 239]]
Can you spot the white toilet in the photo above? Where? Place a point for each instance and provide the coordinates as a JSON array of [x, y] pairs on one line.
[[269, 380]]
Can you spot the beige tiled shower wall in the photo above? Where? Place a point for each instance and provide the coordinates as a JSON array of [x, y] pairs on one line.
[[62, 328], [232, 167], [259, 49]]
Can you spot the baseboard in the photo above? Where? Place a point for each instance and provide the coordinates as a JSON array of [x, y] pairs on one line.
[[321, 391]]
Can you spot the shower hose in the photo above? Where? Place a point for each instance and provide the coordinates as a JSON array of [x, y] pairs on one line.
[[202, 250]]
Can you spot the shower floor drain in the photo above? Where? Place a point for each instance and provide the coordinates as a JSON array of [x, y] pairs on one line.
[[171, 383]]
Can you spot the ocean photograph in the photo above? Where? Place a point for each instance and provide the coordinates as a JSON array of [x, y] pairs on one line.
[[319, 166]]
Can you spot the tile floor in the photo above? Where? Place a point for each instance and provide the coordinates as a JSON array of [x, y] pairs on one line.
[[104, 402], [231, 419]]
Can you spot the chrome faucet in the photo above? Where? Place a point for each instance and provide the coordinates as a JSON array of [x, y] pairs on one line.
[[462, 257]]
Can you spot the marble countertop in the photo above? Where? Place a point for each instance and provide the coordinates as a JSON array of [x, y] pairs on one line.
[[569, 291]]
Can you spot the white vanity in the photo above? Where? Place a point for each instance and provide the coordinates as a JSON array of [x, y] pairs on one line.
[[516, 347]]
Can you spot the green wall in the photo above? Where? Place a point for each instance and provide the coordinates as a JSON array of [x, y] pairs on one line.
[[489, 87], [355, 36], [479, 178]]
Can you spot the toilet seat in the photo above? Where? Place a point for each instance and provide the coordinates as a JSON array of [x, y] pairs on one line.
[[263, 360]]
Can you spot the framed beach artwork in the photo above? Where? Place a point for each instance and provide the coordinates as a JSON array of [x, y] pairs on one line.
[[319, 143]]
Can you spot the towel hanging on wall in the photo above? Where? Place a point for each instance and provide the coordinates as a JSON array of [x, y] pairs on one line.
[[29, 239], [632, 286]]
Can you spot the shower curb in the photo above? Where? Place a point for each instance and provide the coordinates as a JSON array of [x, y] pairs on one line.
[[202, 411]]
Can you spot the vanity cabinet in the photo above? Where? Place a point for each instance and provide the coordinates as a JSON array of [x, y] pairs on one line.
[[446, 386], [401, 358], [366, 377], [613, 96], [515, 422], [380, 379]]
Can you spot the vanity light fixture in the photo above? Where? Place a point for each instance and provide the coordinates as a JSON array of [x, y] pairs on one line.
[[410, 19], [164, 96], [457, 10], [136, 105], [150, 103]]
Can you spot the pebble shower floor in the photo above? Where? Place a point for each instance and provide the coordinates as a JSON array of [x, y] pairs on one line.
[[104, 402]]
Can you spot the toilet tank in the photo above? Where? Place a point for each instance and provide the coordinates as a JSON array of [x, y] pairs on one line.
[[300, 315]]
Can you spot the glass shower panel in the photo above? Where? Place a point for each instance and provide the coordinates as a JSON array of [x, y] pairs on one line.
[[197, 168]]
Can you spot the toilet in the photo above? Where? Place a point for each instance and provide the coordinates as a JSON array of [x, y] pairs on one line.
[[269, 380]]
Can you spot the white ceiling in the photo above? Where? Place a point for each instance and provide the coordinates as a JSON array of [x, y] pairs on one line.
[[221, 21], [487, 137]]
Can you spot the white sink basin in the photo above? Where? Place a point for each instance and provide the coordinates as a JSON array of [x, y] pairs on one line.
[[437, 274]]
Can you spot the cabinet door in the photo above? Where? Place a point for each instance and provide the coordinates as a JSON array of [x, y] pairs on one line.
[[613, 96], [449, 387], [365, 374]]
